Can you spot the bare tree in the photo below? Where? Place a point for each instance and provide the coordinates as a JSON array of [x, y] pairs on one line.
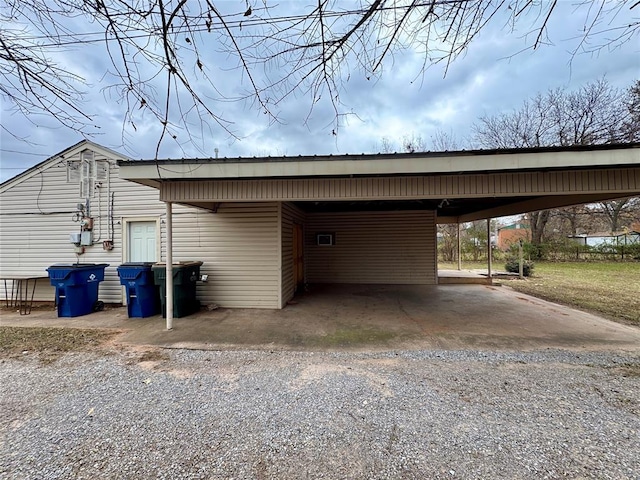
[[448, 242], [631, 125], [413, 143], [161, 62], [615, 210], [595, 114], [575, 220], [440, 142], [444, 141], [568, 217], [409, 144], [386, 146]]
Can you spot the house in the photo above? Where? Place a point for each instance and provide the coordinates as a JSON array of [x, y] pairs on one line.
[[625, 237], [41, 207], [511, 234], [264, 227]]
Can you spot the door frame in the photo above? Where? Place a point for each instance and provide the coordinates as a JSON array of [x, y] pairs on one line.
[[126, 221]]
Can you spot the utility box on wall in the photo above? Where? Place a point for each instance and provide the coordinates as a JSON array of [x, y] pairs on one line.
[[86, 238]]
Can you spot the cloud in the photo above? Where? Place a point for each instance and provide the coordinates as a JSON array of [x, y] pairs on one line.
[[493, 75]]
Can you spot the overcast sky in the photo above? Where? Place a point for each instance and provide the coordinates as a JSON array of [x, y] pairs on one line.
[[490, 78]]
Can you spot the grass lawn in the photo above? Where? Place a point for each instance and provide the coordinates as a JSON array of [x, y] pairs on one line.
[[611, 290]]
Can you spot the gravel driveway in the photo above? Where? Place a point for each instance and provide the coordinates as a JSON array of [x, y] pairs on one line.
[[260, 414]]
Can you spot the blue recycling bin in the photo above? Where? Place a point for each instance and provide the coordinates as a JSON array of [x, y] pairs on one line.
[[77, 287], [143, 297]]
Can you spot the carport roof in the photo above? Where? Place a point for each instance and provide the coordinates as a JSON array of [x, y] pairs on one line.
[[460, 185], [153, 172]]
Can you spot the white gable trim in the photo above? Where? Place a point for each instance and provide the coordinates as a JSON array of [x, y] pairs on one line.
[[61, 157]]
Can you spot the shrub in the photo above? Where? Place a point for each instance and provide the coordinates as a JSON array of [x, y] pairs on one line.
[[537, 251], [513, 266]]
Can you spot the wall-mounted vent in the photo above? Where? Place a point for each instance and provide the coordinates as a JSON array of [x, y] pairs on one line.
[[86, 172], [325, 239], [73, 171]]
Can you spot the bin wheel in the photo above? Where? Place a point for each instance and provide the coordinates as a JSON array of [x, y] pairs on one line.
[[98, 306]]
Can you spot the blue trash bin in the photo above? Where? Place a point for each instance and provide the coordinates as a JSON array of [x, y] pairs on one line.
[[143, 297], [77, 287]]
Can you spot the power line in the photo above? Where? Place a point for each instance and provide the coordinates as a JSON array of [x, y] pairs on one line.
[[21, 153], [198, 26]]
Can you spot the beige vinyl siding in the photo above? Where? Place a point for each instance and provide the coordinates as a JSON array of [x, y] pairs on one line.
[[239, 244], [372, 247], [36, 218], [514, 184], [131, 201], [290, 214], [240, 250], [35, 222]]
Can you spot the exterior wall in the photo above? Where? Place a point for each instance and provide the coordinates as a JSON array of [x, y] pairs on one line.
[[36, 218], [239, 244], [372, 247], [240, 250], [290, 214], [509, 236]]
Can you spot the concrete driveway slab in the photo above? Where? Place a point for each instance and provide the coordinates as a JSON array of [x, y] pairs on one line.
[[371, 317]]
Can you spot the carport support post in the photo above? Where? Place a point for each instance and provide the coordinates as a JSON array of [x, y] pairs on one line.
[[459, 248], [520, 261], [489, 249], [169, 265]]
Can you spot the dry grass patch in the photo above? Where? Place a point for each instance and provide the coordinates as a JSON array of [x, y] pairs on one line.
[[50, 342], [607, 289]]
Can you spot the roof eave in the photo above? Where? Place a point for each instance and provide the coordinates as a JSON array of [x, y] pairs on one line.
[[373, 165]]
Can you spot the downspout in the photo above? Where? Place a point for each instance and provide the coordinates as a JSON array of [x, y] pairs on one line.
[[169, 265]]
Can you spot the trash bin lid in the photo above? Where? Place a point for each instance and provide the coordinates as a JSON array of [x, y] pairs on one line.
[[187, 263], [137, 264], [78, 266]]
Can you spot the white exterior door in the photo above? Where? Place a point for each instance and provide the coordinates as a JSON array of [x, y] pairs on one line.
[[142, 242]]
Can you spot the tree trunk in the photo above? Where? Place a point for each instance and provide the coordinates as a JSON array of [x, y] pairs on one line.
[[537, 222]]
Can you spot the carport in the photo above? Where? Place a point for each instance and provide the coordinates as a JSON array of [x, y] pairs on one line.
[[371, 219]]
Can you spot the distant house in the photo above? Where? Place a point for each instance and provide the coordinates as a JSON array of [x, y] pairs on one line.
[[627, 237], [513, 233]]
